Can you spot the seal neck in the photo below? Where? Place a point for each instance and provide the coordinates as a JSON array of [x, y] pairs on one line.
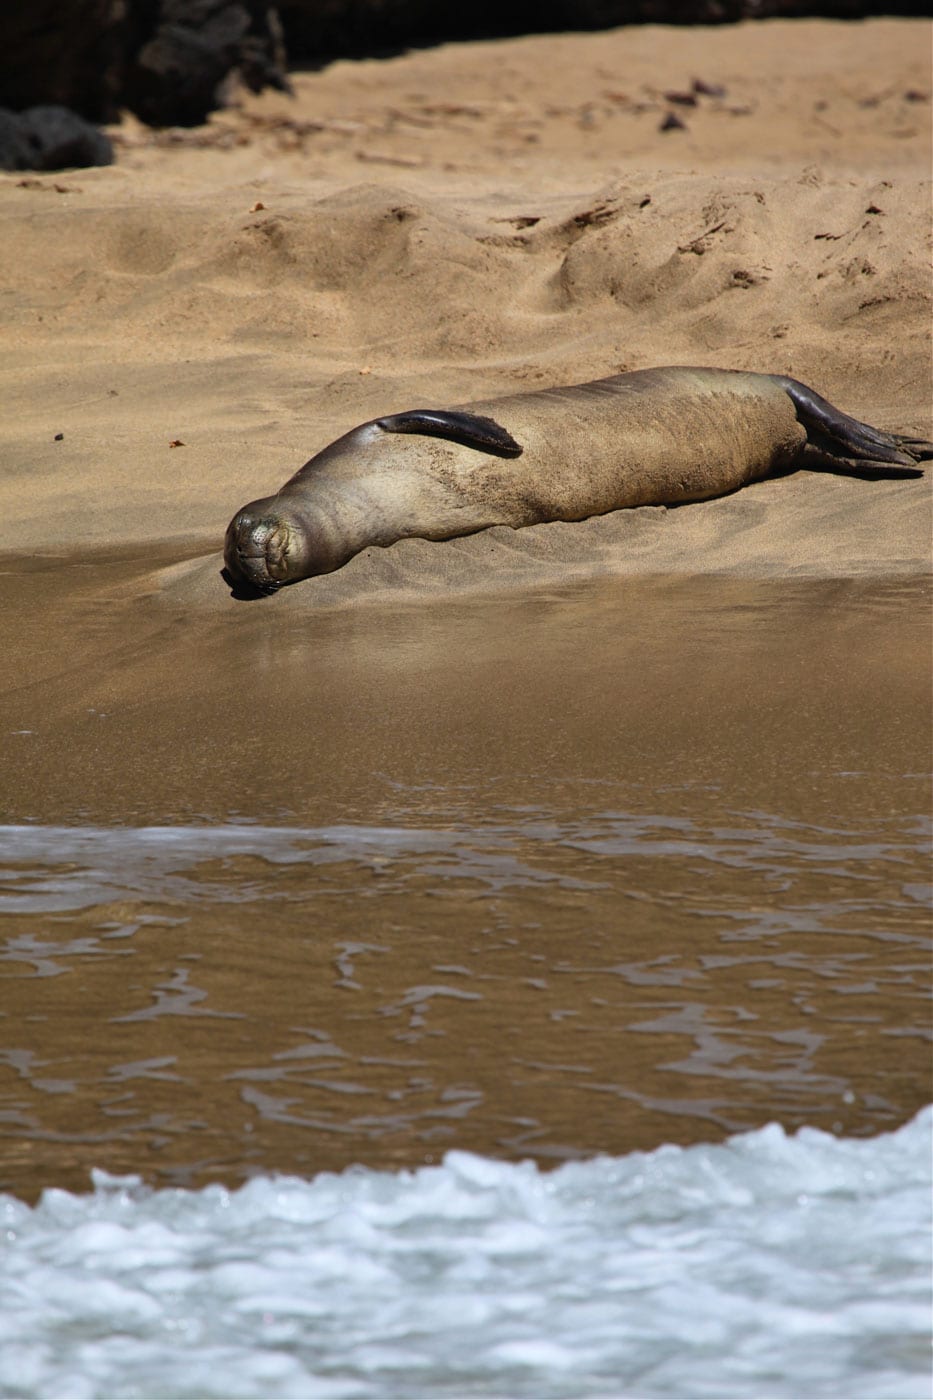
[[327, 534]]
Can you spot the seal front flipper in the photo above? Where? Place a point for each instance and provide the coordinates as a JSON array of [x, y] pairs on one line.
[[471, 429]]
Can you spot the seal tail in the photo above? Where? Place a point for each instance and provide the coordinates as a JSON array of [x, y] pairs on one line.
[[845, 444]]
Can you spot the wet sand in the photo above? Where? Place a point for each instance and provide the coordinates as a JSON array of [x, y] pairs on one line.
[[574, 839]]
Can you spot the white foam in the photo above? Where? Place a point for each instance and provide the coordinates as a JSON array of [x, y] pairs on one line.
[[48, 869], [54, 869], [769, 1265]]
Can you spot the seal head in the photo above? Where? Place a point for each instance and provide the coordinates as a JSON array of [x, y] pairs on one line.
[[268, 545]]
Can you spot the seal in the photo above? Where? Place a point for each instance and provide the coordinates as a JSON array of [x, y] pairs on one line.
[[651, 437]]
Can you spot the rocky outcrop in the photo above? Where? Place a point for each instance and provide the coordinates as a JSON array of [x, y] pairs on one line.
[[318, 30], [168, 61], [171, 62], [61, 54]]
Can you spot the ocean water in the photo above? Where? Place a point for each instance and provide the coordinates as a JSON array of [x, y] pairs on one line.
[[557, 981], [771, 1264]]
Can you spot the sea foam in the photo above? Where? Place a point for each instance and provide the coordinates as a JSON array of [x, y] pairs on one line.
[[768, 1265]]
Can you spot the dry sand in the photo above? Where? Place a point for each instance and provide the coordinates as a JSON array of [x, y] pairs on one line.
[[460, 222]]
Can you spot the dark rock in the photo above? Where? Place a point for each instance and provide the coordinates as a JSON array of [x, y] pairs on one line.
[[14, 147], [50, 138], [182, 53]]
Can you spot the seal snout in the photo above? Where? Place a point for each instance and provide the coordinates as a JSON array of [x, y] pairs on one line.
[[256, 548]]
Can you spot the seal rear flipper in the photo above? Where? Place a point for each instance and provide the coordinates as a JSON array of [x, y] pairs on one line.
[[918, 448], [847, 440], [471, 429], [817, 456]]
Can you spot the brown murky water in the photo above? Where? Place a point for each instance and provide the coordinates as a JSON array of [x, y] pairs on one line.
[[544, 874]]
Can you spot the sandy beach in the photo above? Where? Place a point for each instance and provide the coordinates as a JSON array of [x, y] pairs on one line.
[[459, 222]]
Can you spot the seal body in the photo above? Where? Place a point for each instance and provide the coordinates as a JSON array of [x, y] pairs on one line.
[[659, 436]]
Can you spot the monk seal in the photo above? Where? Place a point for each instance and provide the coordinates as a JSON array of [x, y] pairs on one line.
[[651, 437]]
